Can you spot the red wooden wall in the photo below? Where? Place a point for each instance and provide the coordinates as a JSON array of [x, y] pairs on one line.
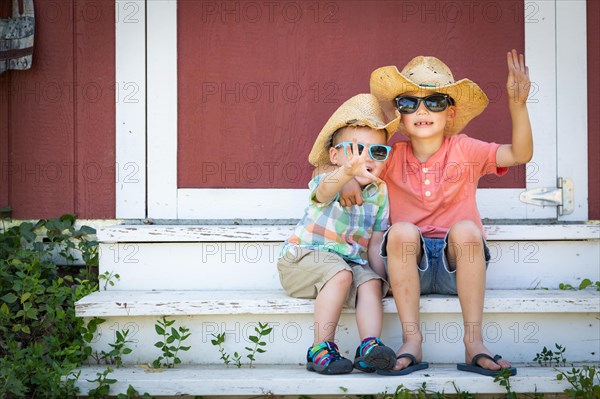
[[57, 129], [57, 120], [257, 83]]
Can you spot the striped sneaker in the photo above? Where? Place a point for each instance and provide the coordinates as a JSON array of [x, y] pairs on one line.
[[373, 355], [325, 358]]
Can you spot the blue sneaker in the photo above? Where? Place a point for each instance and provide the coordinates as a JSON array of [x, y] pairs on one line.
[[325, 358], [373, 355]]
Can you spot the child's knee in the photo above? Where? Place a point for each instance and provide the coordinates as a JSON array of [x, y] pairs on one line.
[[403, 237], [342, 278], [465, 231]]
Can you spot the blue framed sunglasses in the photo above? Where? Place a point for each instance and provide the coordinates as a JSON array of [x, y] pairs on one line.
[[377, 152]]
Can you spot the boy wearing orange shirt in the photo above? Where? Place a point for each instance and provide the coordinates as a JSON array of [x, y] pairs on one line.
[[436, 243]]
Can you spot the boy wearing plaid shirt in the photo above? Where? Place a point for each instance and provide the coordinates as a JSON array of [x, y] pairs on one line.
[[324, 257]]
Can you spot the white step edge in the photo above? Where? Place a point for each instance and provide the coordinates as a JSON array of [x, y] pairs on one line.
[[253, 233], [295, 380], [157, 303]]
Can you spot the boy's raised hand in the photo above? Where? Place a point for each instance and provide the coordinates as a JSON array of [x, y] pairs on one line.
[[357, 164], [518, 84]]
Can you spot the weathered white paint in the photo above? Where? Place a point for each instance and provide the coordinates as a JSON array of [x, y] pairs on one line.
[[130, 97], [571, 83], [279, 233], [267, 302], [293, 379]]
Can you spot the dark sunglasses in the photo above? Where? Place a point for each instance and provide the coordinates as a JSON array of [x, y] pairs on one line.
[[377, 152], [434, 102]]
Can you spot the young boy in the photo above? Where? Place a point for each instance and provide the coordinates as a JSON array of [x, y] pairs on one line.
[[324, 257], [436, 243]]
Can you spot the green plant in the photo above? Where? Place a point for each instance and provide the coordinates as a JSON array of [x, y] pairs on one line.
[[462, 394], [169, 351], [503, 377], [118, 348], [547, 356], [40, 336], [586, 282], [133, 394], [225, 357], [261, 331], [108, 278], [104, 383], [585, 381]]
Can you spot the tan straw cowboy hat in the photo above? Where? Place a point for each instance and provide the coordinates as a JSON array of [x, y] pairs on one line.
[[430, 74], [360, 110]]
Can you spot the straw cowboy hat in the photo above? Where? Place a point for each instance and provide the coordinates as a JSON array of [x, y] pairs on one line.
[[360, 110], [430, 74]]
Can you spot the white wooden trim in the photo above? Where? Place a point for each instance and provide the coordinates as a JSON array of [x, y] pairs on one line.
[[162, 108], [130, 118], [290, 203], [571, 95], [540, 57], [279, 233], [193, 303]]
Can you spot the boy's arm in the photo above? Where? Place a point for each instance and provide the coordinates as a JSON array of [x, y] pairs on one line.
[[350, 194], [336, 179], [518, 85], [375, 260]]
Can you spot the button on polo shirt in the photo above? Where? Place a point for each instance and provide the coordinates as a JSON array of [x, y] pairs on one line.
[[435, 194]]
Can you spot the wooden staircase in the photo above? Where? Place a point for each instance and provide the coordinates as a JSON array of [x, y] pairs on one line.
[[223, 279]]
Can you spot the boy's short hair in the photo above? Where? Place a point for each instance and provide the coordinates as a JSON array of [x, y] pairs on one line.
[[360, 110], [338, 132]]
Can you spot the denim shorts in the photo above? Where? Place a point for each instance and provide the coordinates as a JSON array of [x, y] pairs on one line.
[[434, 272]]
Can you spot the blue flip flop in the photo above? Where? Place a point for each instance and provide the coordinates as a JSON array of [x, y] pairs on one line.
[[412, 367], [476, 368]]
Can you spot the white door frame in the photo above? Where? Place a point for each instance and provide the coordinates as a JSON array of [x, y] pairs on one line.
[[555, 48]]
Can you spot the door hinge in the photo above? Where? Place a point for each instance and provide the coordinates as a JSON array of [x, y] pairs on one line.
[[561, 197]]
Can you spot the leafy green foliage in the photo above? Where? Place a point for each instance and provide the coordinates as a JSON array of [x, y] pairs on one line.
[[262, 330], [586, 282], [547, 356], [259, 346], [41, 339], [585, 381], [171, 343]]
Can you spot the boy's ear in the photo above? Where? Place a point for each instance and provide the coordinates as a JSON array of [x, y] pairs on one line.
[[451, 113], [333, 155]]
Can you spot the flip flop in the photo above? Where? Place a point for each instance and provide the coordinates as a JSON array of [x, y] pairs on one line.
[[476, 368], [412, 367]]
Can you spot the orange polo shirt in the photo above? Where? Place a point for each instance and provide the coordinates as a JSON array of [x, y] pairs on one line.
[[435, 194]]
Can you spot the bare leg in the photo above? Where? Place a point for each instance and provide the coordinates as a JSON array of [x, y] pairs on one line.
[[329, 304], [369, 309], [465, 254], [404, 252]]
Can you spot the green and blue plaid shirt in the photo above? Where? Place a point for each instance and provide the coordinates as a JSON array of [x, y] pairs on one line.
[[344, 230]]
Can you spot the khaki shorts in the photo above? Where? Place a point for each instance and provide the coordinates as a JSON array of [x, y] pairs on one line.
[[303, 272]]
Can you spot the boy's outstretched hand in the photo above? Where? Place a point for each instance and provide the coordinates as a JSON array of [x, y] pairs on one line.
[[518, 84], [357, 164]]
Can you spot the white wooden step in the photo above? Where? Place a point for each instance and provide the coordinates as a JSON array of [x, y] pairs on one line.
[[261, 302], [295, 380], [244, 257], [516, 323]]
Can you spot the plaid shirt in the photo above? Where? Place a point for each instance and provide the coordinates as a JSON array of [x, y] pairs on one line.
[[344, 230]]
